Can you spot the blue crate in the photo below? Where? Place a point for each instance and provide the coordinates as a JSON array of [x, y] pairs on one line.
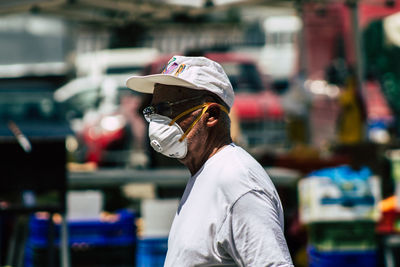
[[151, 252], [92, 243], [91, 233], [364, 258]]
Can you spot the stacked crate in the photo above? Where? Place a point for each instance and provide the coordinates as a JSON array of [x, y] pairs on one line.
[[92, 243], [339, 206]]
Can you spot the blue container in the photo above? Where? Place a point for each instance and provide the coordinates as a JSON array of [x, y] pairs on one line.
[[151, 252], [93, 232], [367, 258], [92, 243]]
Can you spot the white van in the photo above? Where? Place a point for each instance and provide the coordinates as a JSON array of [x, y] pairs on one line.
[[114, 61]]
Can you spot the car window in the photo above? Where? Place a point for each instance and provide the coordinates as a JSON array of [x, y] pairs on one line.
[[127, 69], [28, 106], [77, 105], [244, 77]]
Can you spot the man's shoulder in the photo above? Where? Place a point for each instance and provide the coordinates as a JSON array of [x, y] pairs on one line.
[[234, 152], [238, 160], [236, 166]]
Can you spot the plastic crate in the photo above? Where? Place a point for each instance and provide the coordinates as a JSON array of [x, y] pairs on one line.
[[356, 235], [91, 243], [322, 199], [367, 258], [151, 252]]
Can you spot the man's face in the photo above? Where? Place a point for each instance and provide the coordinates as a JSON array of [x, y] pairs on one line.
[[173, 94], [190, 98]]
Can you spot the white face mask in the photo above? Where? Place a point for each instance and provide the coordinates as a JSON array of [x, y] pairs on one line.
[[165, 138]]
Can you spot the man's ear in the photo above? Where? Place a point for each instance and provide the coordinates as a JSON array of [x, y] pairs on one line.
[[214, 113]]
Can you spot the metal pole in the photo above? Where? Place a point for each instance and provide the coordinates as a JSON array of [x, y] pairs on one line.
[[302, 40], [358, 48], [64, 243], [358, 44]]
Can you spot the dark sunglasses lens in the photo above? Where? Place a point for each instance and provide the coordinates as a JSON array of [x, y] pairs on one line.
[[163, 109]]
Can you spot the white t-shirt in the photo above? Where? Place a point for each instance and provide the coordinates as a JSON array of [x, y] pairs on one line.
[[230, 215]]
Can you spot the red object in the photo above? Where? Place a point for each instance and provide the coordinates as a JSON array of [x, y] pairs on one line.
[[376, 104], [376, 10], [387, 223], [97, 140]]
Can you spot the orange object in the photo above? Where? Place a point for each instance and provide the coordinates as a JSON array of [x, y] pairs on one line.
[[390, 219], [388, 204]]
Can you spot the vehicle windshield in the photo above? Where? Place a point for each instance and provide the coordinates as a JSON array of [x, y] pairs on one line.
[[244, 77], [78, 104], [28, 106]]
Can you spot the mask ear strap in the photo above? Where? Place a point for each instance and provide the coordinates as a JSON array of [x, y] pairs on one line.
[[205, 106], [185, 113], [194, 123], [223, 109]]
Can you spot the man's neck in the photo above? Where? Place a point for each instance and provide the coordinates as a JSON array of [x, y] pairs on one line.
[[196, 160]]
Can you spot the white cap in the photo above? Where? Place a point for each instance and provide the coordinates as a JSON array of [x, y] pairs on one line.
[[192, 72]]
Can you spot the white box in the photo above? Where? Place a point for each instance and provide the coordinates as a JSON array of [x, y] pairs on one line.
[[84, 205], [157, 215]]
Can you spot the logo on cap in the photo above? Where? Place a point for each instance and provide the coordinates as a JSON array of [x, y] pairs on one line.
[[172, 67], [180, 69]]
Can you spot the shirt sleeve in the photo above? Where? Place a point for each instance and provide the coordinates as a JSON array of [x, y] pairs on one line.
[[255, 231]]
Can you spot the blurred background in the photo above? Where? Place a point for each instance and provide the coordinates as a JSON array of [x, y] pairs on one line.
[[317, 104]]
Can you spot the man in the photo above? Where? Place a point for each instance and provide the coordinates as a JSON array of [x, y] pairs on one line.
[[230, 213]]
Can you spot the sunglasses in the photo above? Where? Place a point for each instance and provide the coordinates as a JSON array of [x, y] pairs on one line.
[[164, 108]]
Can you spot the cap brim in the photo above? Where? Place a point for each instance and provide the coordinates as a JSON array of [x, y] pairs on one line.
[[145, 84]]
